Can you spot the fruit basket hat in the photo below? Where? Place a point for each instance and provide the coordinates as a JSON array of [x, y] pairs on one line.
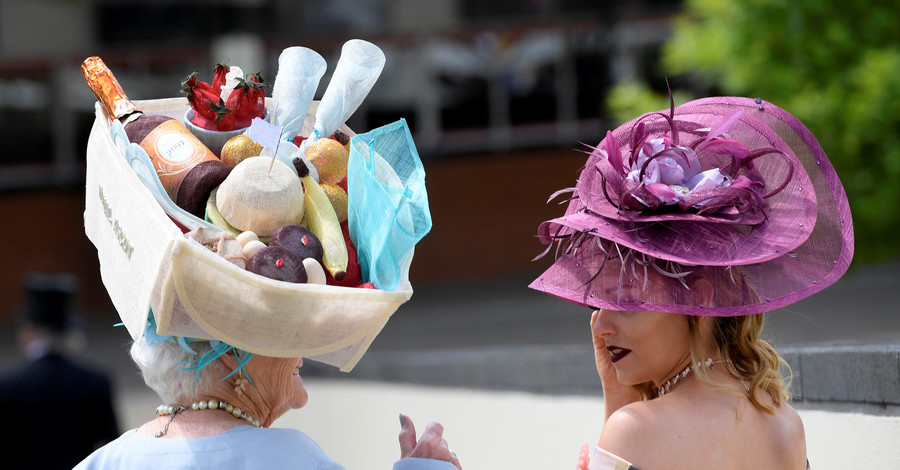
[[721, 206], [165, 284]]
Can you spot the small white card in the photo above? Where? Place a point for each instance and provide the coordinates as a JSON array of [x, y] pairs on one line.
[[265, 134]]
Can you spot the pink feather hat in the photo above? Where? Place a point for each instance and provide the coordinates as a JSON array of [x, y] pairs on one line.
[[733, 191]]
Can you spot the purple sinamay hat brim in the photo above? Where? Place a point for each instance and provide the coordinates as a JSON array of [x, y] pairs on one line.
[[782, 234]]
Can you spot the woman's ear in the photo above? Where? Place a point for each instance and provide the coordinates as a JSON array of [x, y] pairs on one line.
[[704, 292], [229, 360]]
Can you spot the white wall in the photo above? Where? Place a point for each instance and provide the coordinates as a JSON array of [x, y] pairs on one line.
[[514, 430], [851, 440]]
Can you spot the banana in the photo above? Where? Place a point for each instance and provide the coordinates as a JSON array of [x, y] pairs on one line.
[[324, 223]]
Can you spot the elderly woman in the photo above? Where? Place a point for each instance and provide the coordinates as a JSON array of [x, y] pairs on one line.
[[685, 226], [219, 405], [232, 312]]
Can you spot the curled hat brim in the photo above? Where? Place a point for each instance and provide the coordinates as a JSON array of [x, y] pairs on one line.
[[803, 242]]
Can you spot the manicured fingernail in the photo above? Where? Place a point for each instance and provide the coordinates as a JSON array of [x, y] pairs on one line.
[[402, 421]]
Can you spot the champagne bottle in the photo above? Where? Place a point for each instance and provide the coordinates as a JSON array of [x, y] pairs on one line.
[[172, 148]]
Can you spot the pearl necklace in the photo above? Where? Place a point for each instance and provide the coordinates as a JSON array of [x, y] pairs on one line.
[[687, 370], [172, 410]]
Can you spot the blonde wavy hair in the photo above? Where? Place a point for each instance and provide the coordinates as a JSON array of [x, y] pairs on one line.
[[736, 340], [752, 360]]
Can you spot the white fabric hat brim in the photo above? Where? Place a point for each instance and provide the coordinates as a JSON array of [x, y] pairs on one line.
[[147, 264]]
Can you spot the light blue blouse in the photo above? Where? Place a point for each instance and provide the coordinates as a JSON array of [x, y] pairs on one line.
[[243, 447]]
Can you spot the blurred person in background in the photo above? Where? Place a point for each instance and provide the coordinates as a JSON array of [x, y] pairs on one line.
[[685, 226], [62, 410]]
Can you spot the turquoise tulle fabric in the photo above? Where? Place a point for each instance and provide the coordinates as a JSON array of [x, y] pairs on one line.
[[386, 172], [219, 349]]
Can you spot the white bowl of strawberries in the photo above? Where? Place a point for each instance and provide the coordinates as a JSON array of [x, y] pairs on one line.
[[224, 108]]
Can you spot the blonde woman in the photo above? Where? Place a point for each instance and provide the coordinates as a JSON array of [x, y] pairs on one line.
[[709, 380], [685, 226]]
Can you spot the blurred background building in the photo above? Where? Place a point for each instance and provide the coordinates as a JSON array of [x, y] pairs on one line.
[[497, 94], [501, 96]]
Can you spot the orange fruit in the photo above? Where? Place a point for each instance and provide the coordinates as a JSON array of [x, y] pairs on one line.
[[330, 159], [238, 149], [338, 198]]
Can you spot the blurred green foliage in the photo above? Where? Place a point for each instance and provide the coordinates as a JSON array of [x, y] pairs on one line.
[[833, 64]]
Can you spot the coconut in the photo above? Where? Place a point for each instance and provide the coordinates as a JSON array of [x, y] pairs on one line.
[[255, 198]]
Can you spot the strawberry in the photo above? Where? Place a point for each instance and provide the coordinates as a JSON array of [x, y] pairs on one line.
[[225, 118], [239, 101], [258, 92], [221, 71], [199, 94], [245, 102]]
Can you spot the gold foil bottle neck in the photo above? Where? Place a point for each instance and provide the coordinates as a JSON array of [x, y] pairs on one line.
[[106, 88]]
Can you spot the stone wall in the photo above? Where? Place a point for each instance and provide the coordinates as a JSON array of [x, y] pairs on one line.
[[861, 378]]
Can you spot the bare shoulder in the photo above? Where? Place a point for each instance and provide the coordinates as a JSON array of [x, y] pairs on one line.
[[627, 431], [788, 435], [770, 440], [791, 420], [784, 427]]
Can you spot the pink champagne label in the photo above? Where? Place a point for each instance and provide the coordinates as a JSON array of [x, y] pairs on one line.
[[174, 151]]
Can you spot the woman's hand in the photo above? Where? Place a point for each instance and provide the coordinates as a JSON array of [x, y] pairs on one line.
[[431, 445], [602, 356], [615, 394]]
